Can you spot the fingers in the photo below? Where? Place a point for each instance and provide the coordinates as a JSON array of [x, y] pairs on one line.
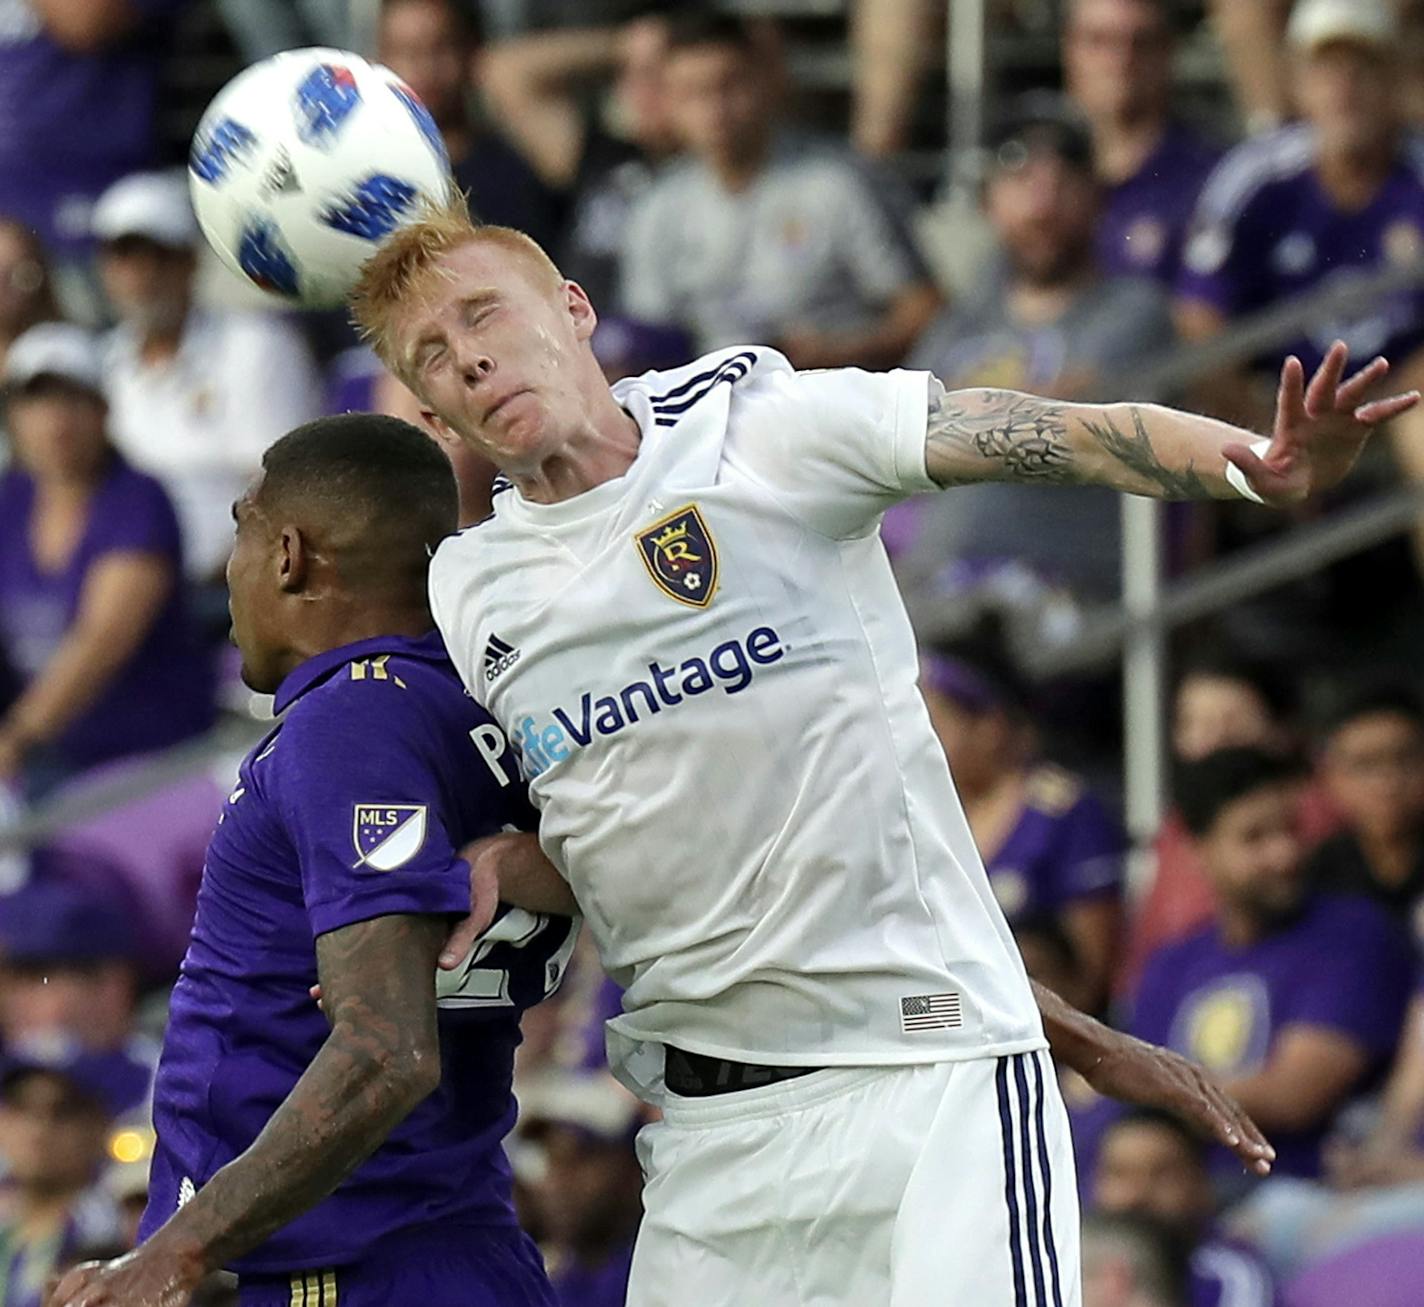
[[1382, 410], [462, 940], [1233, 1127], [1352, 392], [484, 902], [1290, 396], [1272, 486], [1320, 394]]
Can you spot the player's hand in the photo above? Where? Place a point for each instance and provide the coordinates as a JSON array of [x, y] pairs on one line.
[[1320, 428], [1143, 1074], [484, 858], [137, 1280]]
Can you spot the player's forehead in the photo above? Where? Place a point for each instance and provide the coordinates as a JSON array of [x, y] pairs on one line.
[[475, 272]]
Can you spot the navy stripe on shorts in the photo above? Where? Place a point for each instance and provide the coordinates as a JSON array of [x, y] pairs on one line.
[[1028, 1180]]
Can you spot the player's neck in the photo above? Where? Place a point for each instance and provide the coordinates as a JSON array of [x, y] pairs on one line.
[[348, 623], [602, 448]]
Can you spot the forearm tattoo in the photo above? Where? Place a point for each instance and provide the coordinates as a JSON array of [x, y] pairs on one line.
[[1135, 453], [996, 435], [374, 1067], [1003, 435]]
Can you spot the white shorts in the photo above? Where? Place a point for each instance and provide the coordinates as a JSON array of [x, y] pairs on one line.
[[950, 1183]]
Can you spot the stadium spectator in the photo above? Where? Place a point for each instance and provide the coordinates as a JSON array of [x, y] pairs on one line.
[[590, 1196], [1150, 1165], [26, 296], [1128, 1262], [92, 610], [55, 1115], [763, 236], [1044, 319], [1251, 33], [433, 46], [1117, 64], [67, 972], [78, 93], [600, 157], [1221, 701], [1373, 768], [1051, 850], [195, 395], [1295, 999], [1283, 212]]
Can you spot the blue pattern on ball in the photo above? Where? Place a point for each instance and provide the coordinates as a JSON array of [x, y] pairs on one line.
[[373, 208], [215, 148], [261, 256], [423, 120], [325, 99]]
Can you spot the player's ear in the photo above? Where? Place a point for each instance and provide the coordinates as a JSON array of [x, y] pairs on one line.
[[580, 309], [442, 434], [293, 560]]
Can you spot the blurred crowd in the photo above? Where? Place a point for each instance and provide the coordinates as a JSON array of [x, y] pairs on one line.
[[673, 164]]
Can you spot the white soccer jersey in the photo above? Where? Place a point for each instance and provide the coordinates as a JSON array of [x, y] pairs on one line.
[[708, 672]]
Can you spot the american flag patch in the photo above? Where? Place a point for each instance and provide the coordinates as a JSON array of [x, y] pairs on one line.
[[930, 1012]]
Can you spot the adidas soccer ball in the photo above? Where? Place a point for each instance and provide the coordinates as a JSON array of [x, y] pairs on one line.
[[304, 163]]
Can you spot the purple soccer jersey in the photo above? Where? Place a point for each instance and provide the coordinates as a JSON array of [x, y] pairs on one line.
[[72, 122], [1265, 231], [1145, 218], [1063, 849], [1342, 965], [602, 1286], [353, 807], [164, 693], [1228, 1273]]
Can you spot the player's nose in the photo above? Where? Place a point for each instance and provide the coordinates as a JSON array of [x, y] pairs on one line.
[[476, 367]]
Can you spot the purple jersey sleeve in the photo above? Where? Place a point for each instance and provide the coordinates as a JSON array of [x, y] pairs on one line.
[[1091, 851], [136, 515], [1361, 979], [1227, 248], [364, 811]]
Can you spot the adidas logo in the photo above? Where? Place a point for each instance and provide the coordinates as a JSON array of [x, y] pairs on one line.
[[499, 657]]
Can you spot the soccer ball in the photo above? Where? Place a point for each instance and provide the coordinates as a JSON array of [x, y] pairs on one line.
[[304, 163]]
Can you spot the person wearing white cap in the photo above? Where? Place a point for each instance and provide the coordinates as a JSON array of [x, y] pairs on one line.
[[196, 394], [92, 611], [1341, 191]]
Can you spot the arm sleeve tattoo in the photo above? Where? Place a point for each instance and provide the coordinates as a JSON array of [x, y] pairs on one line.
[[1003, 435], [381, 1058]]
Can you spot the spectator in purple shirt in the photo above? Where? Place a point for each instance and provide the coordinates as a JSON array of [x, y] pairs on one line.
[[55, 1112], [1295, 999], [92, 613], [1117, 65], [1151, 1165], [1051, 849], [590, 1199], [1342, 190], [78, 90], [1373, 768]]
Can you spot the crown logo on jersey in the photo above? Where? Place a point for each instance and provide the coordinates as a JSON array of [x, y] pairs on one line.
[[680, 556]]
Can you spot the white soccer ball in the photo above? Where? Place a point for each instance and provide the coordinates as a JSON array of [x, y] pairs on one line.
[[304, 163]]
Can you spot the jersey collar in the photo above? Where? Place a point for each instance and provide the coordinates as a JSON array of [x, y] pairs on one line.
[[428, 648]]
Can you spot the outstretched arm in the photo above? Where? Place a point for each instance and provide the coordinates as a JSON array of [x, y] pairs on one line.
[[380, 1060], [1119, 1066], [1145, 449]]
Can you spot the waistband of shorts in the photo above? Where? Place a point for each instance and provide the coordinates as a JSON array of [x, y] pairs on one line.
[[782, 1098]]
